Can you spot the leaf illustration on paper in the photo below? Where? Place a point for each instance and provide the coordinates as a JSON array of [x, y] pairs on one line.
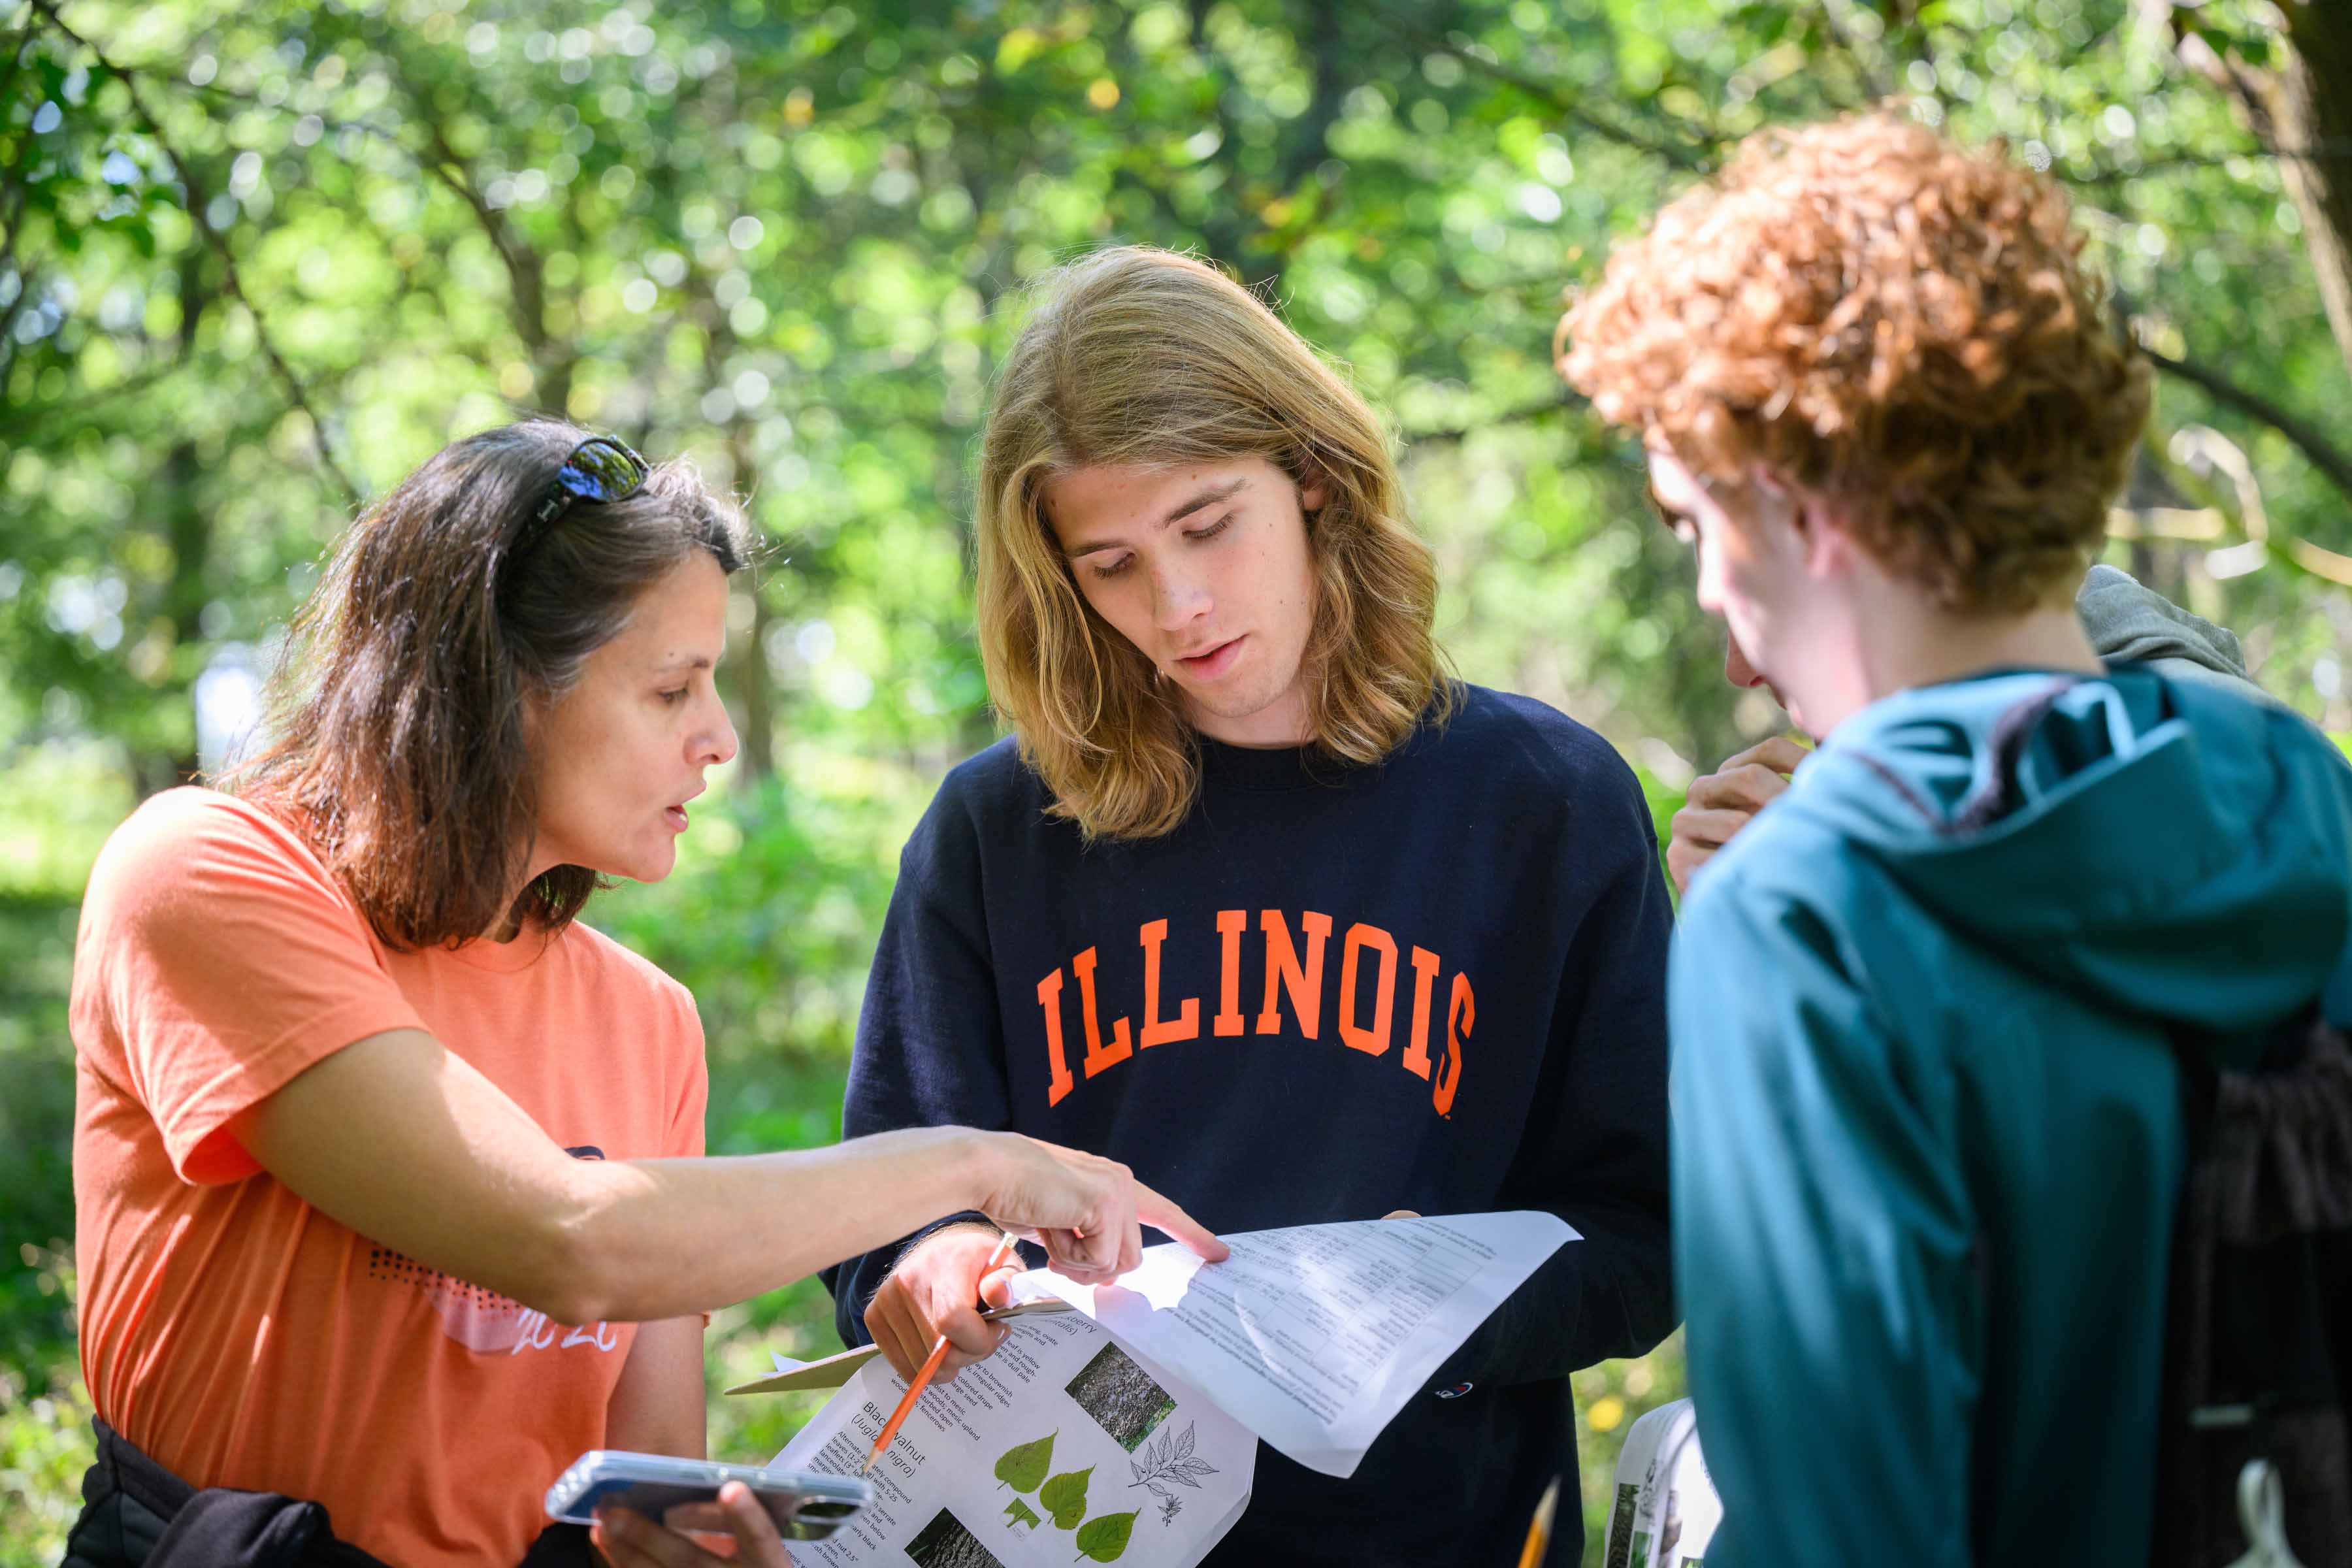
[[1171, 1461], [1022, 1513], [1065, 1497], [1104, 1538], [1024, 1467]]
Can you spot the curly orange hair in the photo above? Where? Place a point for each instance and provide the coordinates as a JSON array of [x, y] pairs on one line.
[[1884, 317]]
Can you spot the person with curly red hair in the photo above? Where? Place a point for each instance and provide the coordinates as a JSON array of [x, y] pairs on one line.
[[1928, 1132]]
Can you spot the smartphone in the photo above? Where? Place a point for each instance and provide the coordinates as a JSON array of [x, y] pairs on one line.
[[806, 1506]]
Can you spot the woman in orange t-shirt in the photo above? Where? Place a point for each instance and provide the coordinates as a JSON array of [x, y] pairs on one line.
[[387, 1171]]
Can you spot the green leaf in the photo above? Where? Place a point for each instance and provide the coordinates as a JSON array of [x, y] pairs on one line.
[[1064, 1497], [1022, 1513], [1022, 1467], [1104, 1539]]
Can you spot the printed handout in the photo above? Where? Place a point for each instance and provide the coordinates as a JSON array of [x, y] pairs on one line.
[[1127, 1430], [1062, 1448], [1314, 1337]]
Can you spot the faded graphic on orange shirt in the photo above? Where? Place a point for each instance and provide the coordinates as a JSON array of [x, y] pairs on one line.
[[483, 1320]]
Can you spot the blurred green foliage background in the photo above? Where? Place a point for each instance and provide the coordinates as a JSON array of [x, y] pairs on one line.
[[258, 260]]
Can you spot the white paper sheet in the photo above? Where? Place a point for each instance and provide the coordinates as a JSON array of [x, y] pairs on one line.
[[952, 1491], [1665, 1511], [1314, 1337]]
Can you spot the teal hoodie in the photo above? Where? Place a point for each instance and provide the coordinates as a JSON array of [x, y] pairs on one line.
[[1927, 1131]]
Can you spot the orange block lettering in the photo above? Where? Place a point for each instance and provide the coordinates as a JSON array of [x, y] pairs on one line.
[[1425, 977], [1231, 923], [1156, 1030], [1460, 1013], [1049, 997], [1373, 1041], [1302, 981], [1098, 1056]]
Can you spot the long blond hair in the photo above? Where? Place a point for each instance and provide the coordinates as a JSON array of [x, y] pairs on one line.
[[1140, 357]]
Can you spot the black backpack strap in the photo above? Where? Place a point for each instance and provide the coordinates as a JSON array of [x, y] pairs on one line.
[[2258, 1343]]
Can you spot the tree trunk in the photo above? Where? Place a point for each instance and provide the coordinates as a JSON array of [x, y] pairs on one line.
[[2308, 105], [188, 530], [753, 690], [2300, 111]]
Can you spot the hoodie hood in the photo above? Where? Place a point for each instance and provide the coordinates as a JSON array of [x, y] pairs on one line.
[[2129, 622], [2163, 847]]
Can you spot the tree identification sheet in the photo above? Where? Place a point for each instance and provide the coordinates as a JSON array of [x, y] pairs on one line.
[[1126, 1430], [1060, 1448]]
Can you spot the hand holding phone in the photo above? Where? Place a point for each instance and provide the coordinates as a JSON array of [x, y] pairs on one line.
[[640, 1502], [734, 1531]]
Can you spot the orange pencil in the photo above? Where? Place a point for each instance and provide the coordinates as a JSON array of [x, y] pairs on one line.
[[1539, 1528], [923, 1376]]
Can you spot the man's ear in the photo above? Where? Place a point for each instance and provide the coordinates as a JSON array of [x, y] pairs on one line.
[[1314, 486], [1818, 521], [1782, 503], [1830, 548]]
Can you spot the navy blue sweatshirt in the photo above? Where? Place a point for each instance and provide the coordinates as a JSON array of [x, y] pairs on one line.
[[1434, 984]]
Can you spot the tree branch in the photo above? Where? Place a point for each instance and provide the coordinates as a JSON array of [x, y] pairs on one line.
[[1309, 133], [2325, 153], [526, 274], [13, 220], [15, 50], [2323, 453], [197, 203], [1682, 155], [1837, 17], [25, 421]]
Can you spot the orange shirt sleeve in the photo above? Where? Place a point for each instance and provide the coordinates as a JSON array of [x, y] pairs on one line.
[[226, 958], [689, 1113], [693, 1102]]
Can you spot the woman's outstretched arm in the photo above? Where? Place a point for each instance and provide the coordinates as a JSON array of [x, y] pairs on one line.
[[409, 1145]]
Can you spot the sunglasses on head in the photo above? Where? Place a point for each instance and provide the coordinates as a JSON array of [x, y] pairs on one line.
[[599, 469]]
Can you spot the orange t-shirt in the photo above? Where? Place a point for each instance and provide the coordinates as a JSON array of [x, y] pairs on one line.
[[237, 1335]]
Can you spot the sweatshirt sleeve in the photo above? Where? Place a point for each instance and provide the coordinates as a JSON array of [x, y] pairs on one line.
[[2129, 622], [1822, 1233], [1594, 1151], [929, 1050]]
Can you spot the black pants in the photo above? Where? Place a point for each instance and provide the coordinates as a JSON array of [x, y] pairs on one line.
[[137, 1514]]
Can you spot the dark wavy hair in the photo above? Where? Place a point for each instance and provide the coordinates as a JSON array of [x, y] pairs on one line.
[[403, 706]]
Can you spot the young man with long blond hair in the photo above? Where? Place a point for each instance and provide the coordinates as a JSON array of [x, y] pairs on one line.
[[1259, 902], [1928, 1137]]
